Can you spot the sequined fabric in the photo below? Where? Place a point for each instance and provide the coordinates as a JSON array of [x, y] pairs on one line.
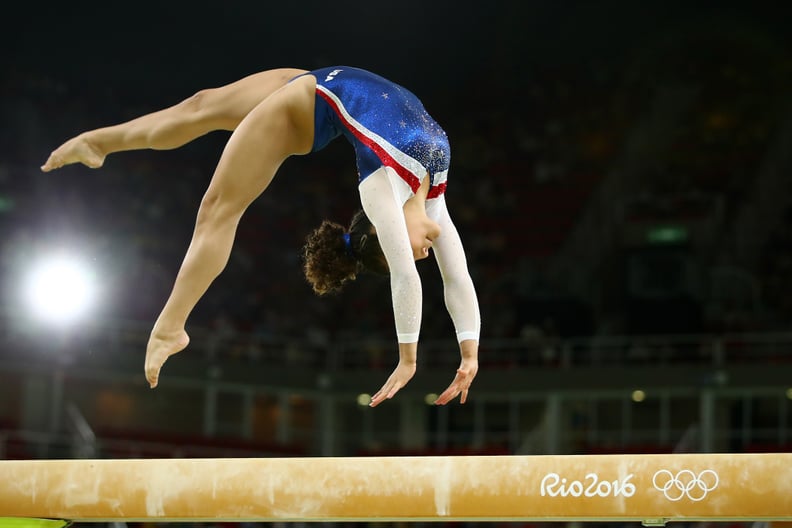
[[386, 123]]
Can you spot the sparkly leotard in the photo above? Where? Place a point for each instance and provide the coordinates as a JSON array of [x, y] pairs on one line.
[[386, 123], [389, 127]]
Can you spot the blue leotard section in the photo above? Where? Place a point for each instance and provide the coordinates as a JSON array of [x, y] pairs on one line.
[[386, 124]]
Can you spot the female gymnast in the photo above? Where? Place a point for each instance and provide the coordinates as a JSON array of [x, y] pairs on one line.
[[402, 159]]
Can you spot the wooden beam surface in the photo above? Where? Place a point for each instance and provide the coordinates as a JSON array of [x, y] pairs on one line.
[[648, 488]]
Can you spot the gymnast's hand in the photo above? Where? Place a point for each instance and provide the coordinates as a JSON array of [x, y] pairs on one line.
[[403, 373], [461, 384], [467, 370], [77, 150]]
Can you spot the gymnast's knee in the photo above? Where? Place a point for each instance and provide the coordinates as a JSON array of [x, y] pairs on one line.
[[217, 208]]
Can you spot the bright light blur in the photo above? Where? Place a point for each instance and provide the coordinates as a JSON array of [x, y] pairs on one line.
[[363, 399], [60, 289], [638, 396], [430, 398]]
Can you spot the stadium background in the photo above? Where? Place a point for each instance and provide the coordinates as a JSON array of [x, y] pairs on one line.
[[620, 176]]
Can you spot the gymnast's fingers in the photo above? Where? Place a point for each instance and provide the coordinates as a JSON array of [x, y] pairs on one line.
[[461, 384], [447, 395], [387, 392]]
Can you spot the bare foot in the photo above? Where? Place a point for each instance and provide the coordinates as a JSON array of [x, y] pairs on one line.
[[77, 150], [161, 346]]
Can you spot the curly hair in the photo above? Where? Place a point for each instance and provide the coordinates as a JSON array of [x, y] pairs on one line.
[[330, 261]]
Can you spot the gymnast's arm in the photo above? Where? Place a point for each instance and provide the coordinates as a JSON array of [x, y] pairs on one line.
[[381, 206], [460, 298], [208, 110]]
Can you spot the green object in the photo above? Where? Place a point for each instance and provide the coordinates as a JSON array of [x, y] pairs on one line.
[[6, 205], [22, 522], [666, 234]]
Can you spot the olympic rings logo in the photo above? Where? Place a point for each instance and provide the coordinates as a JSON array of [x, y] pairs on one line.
[[685, 484]]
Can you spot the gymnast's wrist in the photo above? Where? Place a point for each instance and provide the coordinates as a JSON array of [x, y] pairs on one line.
[[408, 353], [468, 349], [466, 335]]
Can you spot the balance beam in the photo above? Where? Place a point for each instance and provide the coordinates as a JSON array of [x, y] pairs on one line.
[[652, 489]]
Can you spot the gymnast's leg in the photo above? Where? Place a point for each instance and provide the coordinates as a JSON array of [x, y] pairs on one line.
[[211, 109], [280, 126]]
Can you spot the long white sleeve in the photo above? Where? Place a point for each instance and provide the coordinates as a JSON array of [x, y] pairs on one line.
[[378, 196], [460, 294]]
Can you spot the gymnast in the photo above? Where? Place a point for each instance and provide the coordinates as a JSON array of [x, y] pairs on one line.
[[402, 160]]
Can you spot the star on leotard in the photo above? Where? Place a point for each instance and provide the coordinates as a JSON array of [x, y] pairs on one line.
[[385, 95]]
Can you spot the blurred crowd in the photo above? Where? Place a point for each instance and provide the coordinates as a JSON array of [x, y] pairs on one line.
[[525, 160]]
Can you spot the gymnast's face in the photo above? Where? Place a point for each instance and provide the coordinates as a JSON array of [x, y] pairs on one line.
[[422, 235], [422, 232]]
